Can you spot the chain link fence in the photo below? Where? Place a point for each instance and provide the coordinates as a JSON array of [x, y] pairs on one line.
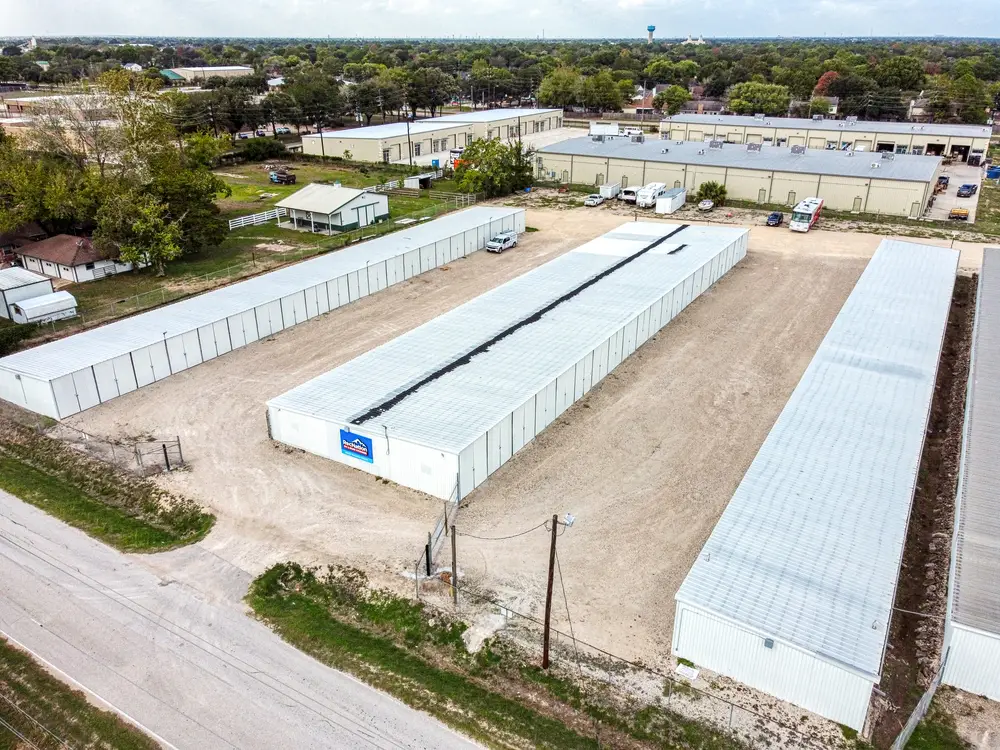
[[143, 455]]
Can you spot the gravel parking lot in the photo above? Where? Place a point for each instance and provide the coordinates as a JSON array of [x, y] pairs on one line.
[[646, 462]]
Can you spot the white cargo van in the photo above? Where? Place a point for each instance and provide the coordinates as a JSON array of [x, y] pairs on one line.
[[646, 198]]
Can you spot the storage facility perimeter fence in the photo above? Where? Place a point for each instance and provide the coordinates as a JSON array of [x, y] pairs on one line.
[[636, 682], [144, 455]]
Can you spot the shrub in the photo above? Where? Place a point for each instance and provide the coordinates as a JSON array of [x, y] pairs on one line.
[[11, 336], [712, 191], [261, 149]]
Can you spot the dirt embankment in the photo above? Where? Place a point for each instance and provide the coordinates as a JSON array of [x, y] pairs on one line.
[[915, 640]]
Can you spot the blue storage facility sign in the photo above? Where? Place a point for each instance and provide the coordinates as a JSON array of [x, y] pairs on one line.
[[356, 446]]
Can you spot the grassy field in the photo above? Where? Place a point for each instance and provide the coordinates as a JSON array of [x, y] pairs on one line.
[[936, 732], [48, 714], [498, 696], [123, 510]]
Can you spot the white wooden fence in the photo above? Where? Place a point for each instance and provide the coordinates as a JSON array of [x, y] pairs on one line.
[[255, 219]]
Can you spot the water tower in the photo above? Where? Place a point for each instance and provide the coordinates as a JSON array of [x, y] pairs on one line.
[[650, 29]]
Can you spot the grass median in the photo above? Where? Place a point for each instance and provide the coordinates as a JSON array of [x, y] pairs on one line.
[[41, 712], [128, 512], [497, 696]]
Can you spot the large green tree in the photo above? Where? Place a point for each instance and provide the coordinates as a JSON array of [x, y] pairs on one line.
[[494, 167], [560, 88], [428, 89], [671, 100], [759, 98]]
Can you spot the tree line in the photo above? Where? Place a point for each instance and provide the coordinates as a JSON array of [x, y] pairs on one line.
[[872, 79]]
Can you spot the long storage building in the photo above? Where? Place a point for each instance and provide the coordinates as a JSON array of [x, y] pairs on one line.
[[792, 593], [847, 181], [965, 142], [66, 376], [972, 628], [442, 407]]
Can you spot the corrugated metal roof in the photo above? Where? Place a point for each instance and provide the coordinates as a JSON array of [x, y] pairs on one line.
[[862, 126], [88, 348], [770, 158], [976, 587], [390, 130], [320, 199], [14, 277], [493, 115], [809, 548], [460, 405]]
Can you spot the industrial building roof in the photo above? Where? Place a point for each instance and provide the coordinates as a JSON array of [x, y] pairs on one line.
[[390, 130], [976, 583], [449, 411], [770, 158], [319, 198], [493, 115], [85, 349], [861, 126], [15, 276], [809, 548]]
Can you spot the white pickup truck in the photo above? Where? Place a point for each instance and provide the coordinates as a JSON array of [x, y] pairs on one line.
[[500, 242]]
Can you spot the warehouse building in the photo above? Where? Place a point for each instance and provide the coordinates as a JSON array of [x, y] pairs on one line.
[[17, 284], [965, 142], [442, 407], [861, 183], [972, 627], [211, 71], [391, 142], [66, 376], [507, 123], [333, 208], [793, 592]]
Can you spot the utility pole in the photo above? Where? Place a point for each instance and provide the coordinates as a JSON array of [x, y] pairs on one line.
[[409, 144], [454, 568], [548, 593]]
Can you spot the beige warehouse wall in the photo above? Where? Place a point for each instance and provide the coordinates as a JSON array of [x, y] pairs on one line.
[[895, 197], [803, 185]]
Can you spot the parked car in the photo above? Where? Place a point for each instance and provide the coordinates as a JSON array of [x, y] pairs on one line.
[[944, 180], [261, 133], [282, 131], [280, 177], [502, 241], [706, 205], [243, 136], [968, 190], [593, 200], [775, 219], [959, 214]]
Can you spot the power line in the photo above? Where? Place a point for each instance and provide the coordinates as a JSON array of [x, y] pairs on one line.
[[18, 734], [35, 721], [510, 536]]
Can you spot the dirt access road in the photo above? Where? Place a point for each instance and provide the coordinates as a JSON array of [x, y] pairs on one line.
[[647, 462]]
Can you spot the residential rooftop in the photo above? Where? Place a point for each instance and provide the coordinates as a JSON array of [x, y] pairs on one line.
[[861, 126], [771, 158]]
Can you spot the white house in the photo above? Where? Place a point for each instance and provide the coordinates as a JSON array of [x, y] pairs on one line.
[[329, 208], [17, 284], [67, 257], [132, 67], [44, 309]]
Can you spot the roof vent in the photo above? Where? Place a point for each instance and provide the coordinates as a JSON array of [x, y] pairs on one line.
[[875, 165], [888, 156], [701, 151], [850, 153], [664, 150]]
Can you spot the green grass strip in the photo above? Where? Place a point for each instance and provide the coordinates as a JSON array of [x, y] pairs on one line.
[[108, 523], [451, 697], [63, 711]]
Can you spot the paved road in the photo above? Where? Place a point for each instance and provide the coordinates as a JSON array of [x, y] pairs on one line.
[[189, 667]]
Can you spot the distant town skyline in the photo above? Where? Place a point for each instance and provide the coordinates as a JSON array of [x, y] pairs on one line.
[[493, 18]]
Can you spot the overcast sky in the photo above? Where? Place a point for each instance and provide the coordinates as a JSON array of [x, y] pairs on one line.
[[499, 18]]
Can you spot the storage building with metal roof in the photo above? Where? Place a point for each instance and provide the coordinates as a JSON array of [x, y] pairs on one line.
[[965, 142], [972, 628], [66, 376], [793, 592], [847, 181], [442, 407]]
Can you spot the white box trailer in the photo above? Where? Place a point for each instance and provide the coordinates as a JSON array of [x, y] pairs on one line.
[[610, 190], [441, 408], [671, 201], [604, 128], [64, 377], [44, 309]]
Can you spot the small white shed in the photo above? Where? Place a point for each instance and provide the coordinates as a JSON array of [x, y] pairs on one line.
[[329, 208], [18, 284], [44, 309], [671, 200]]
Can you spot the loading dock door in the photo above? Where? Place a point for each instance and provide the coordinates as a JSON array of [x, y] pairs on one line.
[[935, 149], [796, 140], [961, 152]]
